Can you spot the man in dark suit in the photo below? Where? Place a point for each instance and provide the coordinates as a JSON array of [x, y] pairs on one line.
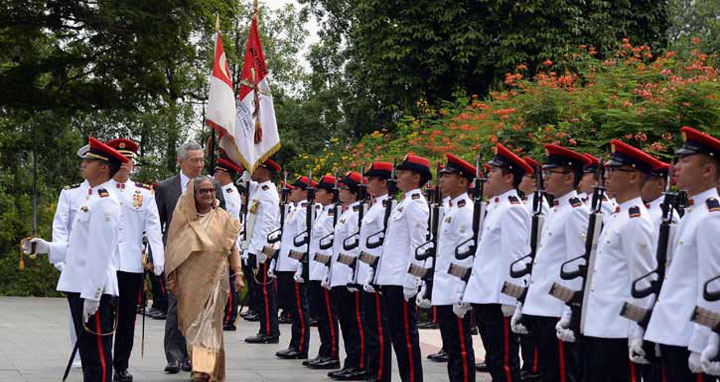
[[191, 160]]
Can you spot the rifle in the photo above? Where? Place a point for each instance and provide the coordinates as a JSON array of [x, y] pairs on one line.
[[479, 208], [514, 290], [303, 238], [575, 298], [276, 235], [428, 249], [706, 317], [351, 261], [326, 242], [657, 276], [682, 202], [379, 237]]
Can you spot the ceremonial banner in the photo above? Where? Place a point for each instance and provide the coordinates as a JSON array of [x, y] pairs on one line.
[[256, 131]]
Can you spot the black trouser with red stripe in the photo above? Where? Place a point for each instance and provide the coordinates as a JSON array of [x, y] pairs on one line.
[[675, 365], [501, 344], [402, 322], [555, 363], [321, 310], [95, 350], [349, 313], [267, 296], [297, 304], [159, 293], [457, 343], [377, 337], [231, 308], [529, 352], [607, 359], [130, 286]]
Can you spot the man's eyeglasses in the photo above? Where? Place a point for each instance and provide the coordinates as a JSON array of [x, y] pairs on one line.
[[547, 173], [611, 170], [204, 191]]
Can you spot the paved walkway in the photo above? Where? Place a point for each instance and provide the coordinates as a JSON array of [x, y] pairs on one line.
[[35, 346]]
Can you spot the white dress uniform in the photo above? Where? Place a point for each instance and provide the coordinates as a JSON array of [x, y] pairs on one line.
[[138, 214], [265, 206], [608, 205], [529, 201], [294, 224], [322, 227], [504, 239], [233, 201], [562, 238], [406, 231], [625, 252], [455, 228], [694, 261], [90, 268], [373, 222], [341, 274], [69, 201]]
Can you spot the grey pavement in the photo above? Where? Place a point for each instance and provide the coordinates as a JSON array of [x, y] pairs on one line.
[[35, 346]]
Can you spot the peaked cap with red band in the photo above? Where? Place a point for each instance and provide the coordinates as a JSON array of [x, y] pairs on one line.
[[101, 151], [327, 182], [532, 163], [626, 155], [486, 167], [416, 163], [125, 147], [271, 165], [353, 179], [380, 169], [227, 166], [558, 156], [697, 142], [288, 186], [660, 168], [508, 159], [302, 182], [458, 166], [593, 163]]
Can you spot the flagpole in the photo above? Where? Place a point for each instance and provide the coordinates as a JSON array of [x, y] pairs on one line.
[[212, 131]]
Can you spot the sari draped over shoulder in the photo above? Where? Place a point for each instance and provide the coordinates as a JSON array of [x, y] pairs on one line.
[[200, 249]]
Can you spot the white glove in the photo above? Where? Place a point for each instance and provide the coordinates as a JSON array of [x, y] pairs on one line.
[[158, 269], [709, 353], [246, 177], [59, 266], [409, 293], [298, 275], [421, 301], [461, 308], [515, 324], [367, 284], [561, 328], [637, 353], [271, 269], [89, 308], [351, 289], [245, 261], [694, 363], [368, 288], [325, 283], [41, 246]]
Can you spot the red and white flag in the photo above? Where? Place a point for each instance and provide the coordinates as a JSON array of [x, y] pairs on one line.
[[256, 132], [220, 112]]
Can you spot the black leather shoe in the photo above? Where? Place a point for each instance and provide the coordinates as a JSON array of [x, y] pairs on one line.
[[529, 376], [313, 322], [122, 376], [336, 373], [440, 356], [351, 375], [427, 325], [247, 313], [186, 366], [481, 367], [316, 359], [229, 328], [263, 339], [325, 364], [290, 354], [173, 367], [252, 317]]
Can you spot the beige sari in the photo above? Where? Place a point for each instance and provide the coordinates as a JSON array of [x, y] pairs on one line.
[[200, 249]]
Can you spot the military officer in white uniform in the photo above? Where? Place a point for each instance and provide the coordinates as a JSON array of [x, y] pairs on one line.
[[89, 272], [318, 296], [406, 231], [377, 338], [224, 172], [138, 216], [695, 249], [263, 218], [562, 238], [505, 238], [585, 188]]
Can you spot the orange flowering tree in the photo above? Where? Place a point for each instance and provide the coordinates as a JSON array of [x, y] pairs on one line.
[[582, 102]]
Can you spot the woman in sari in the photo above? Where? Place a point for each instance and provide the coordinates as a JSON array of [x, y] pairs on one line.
[[201, 245]]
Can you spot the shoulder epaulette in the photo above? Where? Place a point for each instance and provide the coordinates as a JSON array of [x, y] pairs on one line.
[[144, 185], [461, 203], [69, 187], [575, 202], [103, 193], [356, 208], [265, 187], [514, 199], [229, 190], [634, 211], [415, 196], [713, 205]]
